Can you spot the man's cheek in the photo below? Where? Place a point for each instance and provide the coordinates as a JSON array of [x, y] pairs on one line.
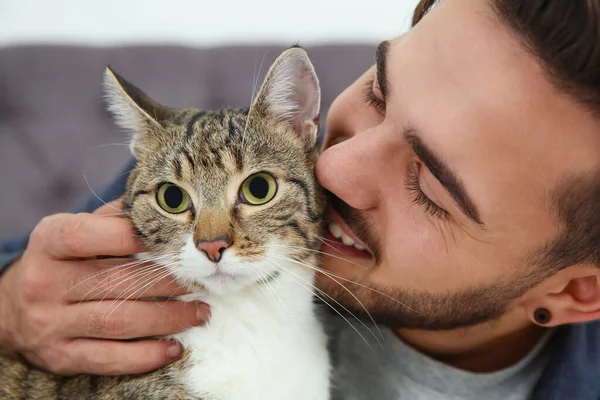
[[411, 252]]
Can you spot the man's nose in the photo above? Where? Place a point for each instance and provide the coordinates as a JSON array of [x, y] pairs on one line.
[[352, 170], [213, 249]]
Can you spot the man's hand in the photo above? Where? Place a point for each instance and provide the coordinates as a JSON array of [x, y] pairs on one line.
[[69, 312]]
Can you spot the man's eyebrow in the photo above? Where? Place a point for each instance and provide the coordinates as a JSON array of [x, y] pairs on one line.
[[381, 56], [444, 175]]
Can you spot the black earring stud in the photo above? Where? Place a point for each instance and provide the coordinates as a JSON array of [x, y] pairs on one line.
[[542, 316]]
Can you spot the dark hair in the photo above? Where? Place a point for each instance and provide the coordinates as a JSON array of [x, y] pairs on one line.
[[564, 35]]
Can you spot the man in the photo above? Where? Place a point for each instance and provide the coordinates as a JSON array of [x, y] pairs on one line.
[[465, 164]]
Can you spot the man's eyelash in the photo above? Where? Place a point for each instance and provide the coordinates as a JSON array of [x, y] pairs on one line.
[[419, 198], [371, 99], [412, 182]]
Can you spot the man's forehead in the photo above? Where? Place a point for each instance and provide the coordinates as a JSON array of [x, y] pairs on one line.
[[484, 104], [463, 39]]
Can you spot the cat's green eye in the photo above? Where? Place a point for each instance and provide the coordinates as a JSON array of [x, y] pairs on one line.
[[173, 199], [258, 189]]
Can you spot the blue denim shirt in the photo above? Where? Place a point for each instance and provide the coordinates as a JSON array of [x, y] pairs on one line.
[[573, 372]]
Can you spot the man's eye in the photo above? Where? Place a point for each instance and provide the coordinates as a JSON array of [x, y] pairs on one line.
[[420, 198], [371, 99]]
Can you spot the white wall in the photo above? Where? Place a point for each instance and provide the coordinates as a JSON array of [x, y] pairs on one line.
[[201, 22]]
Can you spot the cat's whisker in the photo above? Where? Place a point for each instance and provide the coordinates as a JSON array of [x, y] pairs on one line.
[[264, 285], [147, 286], [142, 276], [317, 252], [109, 270], [274, 293], [106, 271], [327, 273], [357, 300], [96, 194], [348, 291], [116, 301], [172, 294], [324, 239], [147, 282], [134, 263], [105, 283], [164, 271], [139, 278], [124, 173], [309, 286], [107, 145], [342, 306], [114, 214], [254, 86], [340, 284], [325, 242], [138, 268]]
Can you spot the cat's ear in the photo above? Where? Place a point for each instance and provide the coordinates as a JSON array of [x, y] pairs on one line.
[[134, 110], [291, 93]]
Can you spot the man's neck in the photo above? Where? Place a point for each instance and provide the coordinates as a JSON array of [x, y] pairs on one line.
[[487, 347]]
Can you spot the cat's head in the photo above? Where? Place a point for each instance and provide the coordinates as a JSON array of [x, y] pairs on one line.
[[224, 199]]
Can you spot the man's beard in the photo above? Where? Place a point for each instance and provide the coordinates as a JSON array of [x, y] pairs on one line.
[[401, 308], [397, 307]]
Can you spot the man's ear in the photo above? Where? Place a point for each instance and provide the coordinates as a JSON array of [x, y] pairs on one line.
[[134, 110], [290, 93], [575, 299]]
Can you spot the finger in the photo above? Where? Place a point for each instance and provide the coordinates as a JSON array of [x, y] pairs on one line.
[[88, 235], [107, 357], [134, 319], [116, 278], [113, 208]]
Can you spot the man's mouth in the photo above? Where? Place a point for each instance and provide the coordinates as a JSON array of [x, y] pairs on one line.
[[341, 241]]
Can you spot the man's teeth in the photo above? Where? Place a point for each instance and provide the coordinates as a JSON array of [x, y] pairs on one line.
[[338, 233]]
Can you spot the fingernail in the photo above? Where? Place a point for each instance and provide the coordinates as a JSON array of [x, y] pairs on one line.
[[174, 350], [202, 312]]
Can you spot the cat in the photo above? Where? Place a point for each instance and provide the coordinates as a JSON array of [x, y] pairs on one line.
[[228, 203]]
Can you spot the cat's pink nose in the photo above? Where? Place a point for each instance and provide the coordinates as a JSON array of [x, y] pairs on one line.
[[213, 249]]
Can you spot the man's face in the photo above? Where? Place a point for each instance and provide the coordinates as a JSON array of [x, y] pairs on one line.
[[443, 159]]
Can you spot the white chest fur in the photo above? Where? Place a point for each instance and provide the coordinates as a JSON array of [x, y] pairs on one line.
[[263, 342]]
